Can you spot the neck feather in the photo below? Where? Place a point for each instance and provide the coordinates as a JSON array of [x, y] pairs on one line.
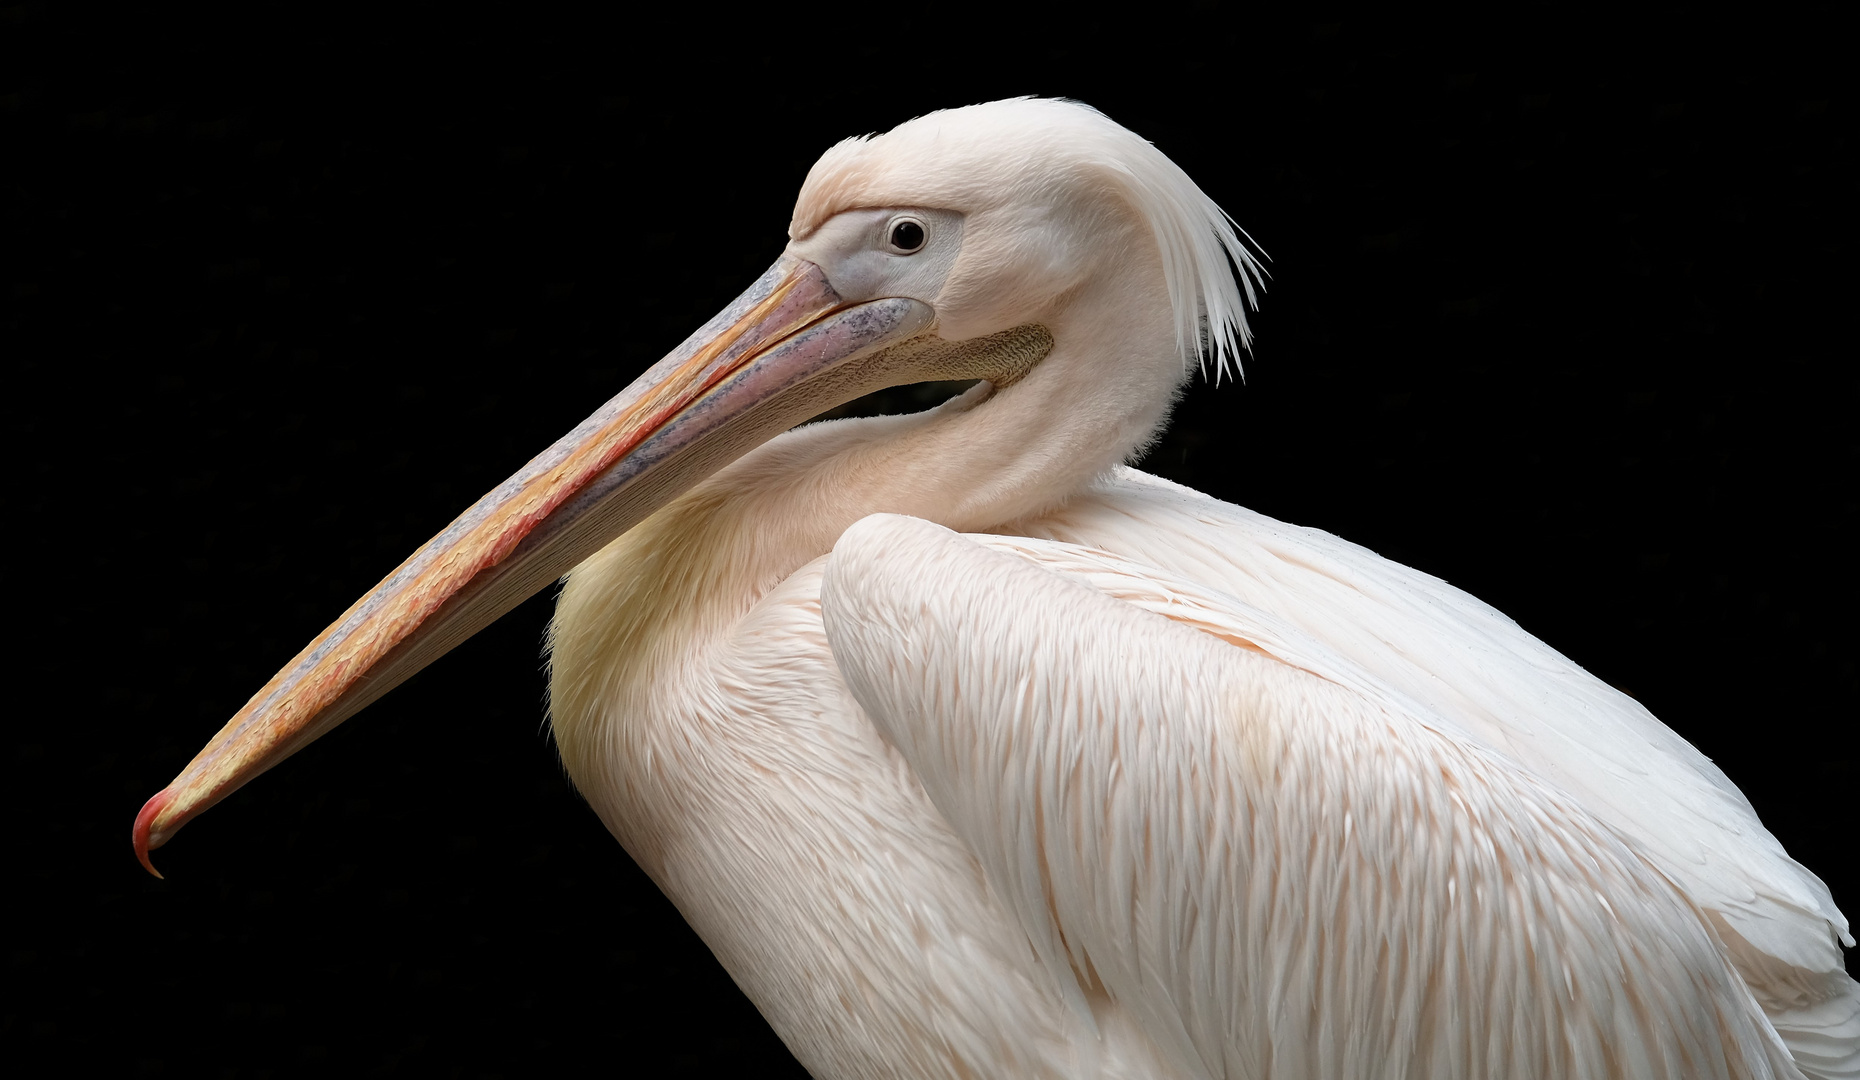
[[977, 463]]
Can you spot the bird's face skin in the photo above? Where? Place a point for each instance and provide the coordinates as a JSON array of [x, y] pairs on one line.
[[982, 271], [868, 254]]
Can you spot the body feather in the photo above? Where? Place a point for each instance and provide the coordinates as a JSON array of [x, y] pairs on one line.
[[883, 793]]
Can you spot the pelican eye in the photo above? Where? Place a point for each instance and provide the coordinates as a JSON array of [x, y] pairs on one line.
[[906, 236]]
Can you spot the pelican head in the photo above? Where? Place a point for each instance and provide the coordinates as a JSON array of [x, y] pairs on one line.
[[1017, 207], [1032, 244]]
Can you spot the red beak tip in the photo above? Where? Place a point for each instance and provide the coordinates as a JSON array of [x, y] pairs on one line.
[[144, 820]]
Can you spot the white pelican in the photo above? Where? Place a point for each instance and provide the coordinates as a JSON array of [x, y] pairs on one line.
[[972, 753]]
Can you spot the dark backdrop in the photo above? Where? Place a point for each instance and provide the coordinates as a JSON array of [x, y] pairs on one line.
[[1552, 316]]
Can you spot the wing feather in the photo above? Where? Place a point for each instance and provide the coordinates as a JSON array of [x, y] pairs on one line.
[[1475, 670], [1278, 866]]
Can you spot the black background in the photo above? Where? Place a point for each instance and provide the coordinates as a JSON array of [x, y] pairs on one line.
[[1553, 315]]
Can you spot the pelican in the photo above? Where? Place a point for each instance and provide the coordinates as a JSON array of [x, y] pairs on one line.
[[972, 752]]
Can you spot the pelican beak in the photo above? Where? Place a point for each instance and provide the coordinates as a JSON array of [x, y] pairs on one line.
[[785, 350]]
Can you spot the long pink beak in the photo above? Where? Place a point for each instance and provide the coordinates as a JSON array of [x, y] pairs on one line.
[[743, 371]]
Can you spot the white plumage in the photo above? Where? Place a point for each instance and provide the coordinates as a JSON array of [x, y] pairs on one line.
[[946, 803], [972, 753], [1287, 874]]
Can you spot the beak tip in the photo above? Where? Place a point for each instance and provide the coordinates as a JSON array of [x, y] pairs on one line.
[[144, 821]]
